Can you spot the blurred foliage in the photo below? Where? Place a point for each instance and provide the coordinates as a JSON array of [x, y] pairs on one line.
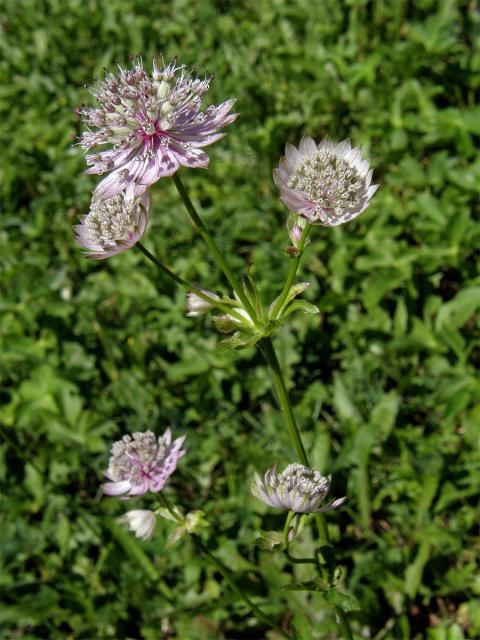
[[384, 378]]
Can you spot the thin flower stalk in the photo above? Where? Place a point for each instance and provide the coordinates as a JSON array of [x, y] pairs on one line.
[[211, 244], [289, 417], [293, 270], [223, 569], [188, 286], [268, 351]]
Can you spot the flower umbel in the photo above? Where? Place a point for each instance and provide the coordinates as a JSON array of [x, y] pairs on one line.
[[142, 522], [152, 123], [327, 184], [113, 225], [297, 488], [141, 463]]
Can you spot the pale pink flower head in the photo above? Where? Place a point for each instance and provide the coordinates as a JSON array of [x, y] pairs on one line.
[[113, 225], [297, 488], [142, 462], [328, 184], [152, 125]]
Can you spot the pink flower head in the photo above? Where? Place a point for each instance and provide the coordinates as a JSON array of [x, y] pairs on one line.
[[141, 463], [152, 124], [113, 225], [327, 184]]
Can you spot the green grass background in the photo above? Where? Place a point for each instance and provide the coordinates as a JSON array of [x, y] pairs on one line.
[[384, 379]]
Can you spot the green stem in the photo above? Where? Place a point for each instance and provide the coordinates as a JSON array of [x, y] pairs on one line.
[[173, 276], [214, 250], [289, 416], [344, 626], [187, 285], [293, 271], [286, 529], [223, 570], [236, 589], [268, 350], [286, 543]]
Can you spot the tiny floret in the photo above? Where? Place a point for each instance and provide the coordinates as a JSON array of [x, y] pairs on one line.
[[328, 184], [142, 462], [113, 225], [197, 306], [297, 488], [142, 522], [152, 125]]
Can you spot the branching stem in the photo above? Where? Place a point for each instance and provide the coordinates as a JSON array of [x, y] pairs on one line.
[[188, 286], [293, 271], [210, 242]]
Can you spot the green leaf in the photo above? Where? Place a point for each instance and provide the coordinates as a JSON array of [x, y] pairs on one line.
[[343, 599], [300, 305], [414, 572], [295, 290], [269, 540], [456, 312]]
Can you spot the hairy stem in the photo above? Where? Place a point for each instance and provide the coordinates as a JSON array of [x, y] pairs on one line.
[[209, 241]]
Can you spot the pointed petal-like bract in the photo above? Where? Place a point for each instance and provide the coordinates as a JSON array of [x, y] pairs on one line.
[[297, 488], [327, 184]]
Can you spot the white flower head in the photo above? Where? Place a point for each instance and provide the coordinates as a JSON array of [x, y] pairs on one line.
[[142, 522], [113, 225], [297, 488], [328, 184]]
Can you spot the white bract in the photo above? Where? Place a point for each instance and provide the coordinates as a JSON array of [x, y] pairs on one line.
[[142, 522]]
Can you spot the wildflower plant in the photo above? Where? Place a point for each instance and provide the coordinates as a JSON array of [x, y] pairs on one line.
[[152, 124]]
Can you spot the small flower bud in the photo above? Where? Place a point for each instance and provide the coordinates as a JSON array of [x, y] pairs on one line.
[[227, 323], [142, 522], [295, 227], [196, 305]]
